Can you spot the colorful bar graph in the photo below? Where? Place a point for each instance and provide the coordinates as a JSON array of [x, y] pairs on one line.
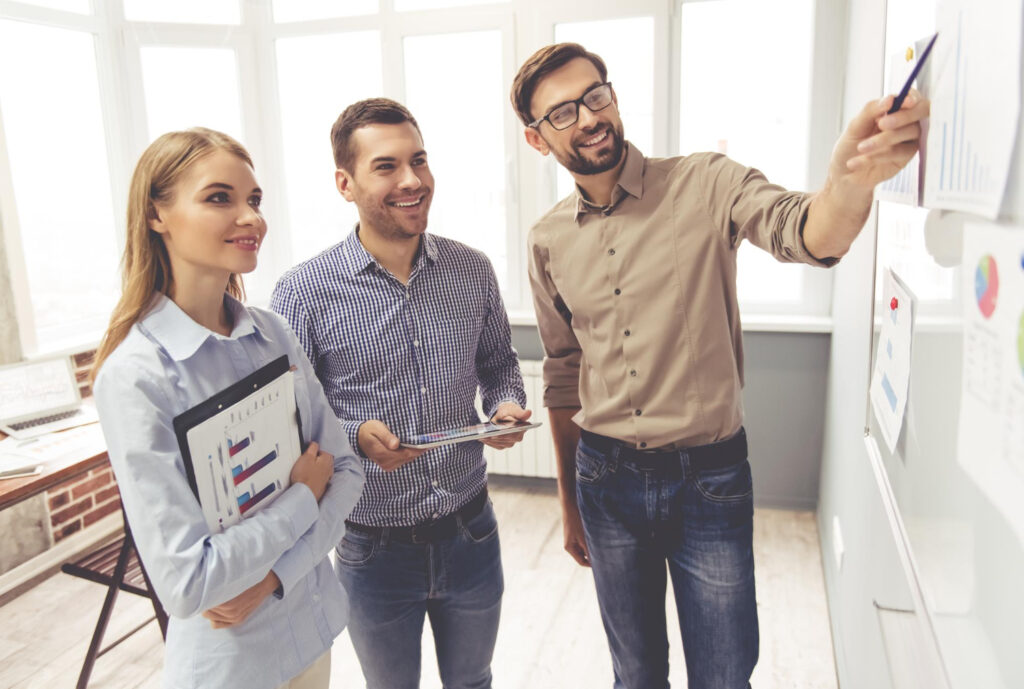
[[234, 449], [249, 504], [241, 474]]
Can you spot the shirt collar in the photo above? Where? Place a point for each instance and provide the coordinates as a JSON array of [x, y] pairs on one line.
[[630, 182], [355, 258], [182, 337]]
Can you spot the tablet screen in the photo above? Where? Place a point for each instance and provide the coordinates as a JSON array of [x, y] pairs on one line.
[[481, 430]]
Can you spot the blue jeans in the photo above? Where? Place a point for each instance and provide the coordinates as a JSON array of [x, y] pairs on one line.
[[457, 582], [701, 523]]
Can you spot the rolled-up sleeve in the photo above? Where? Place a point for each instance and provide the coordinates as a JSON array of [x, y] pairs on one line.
[[745, 205], [191, 569], [497, 364], [562, 352]]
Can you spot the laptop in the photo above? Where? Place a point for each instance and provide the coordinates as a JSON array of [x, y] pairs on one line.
[[41, 397]]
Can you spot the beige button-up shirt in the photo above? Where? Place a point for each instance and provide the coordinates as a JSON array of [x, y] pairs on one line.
[[636, 302]]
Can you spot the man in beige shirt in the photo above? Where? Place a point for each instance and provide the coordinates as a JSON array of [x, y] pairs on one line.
[[634, 285]]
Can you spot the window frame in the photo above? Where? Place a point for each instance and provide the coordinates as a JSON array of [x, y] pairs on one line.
[[525, 25]]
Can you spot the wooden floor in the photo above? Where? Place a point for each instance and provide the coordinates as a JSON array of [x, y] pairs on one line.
[[550, 637]]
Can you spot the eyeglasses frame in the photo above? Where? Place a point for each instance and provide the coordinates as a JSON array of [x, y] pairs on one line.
[[577, 102]]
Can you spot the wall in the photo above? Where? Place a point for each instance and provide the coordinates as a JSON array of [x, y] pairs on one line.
[[861, 561], [784, 402]]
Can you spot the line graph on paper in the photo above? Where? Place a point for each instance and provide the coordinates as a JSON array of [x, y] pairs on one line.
[[975, 93]]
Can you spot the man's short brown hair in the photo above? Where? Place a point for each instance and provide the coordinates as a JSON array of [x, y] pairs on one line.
[[362, 114], [542, 63]]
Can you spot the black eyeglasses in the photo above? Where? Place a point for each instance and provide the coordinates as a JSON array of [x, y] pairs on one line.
[[565, 115]]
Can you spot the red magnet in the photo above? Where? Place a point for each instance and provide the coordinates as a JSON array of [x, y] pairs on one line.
[[894, 303]]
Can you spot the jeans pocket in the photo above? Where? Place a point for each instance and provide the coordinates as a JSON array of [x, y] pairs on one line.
[[727, 484], [483, 526], [591, 466], [356, 548]]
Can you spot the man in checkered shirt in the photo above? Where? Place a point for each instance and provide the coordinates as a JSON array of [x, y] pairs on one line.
[[404, 328]]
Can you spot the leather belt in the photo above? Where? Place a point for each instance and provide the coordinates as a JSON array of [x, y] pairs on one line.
[[717, 455], [442, 529]]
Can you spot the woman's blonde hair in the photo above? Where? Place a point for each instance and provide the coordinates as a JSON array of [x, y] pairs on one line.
[[146, 267]]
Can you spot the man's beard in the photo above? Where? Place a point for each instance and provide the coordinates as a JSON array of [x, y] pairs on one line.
[[576, 162]]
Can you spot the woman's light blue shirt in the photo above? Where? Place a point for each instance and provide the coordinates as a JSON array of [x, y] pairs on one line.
[[167, 364]]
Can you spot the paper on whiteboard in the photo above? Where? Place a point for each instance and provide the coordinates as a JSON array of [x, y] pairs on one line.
[[975, 94], [243, 456], [991, 437], [890, 379], [905, 187]]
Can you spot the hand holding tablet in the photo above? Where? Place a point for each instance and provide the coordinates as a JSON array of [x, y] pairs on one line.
[[467, 433]]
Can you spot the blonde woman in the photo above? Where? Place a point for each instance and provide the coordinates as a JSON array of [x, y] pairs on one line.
[[258, 604]]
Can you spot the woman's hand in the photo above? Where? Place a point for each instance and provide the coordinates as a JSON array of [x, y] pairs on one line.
[[238, 609], [314, 468]]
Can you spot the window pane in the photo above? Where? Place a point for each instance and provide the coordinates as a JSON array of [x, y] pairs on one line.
[[191, 87], [627, 48], [184, 11], [413, 5], [464, 134], [306, 10], [79, 6], [61, 179], [732, 104], [317, 214]]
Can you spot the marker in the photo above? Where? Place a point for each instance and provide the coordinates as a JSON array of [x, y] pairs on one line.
[[898, 103]]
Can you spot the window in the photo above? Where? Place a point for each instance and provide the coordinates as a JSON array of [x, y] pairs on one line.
[[210, 78], [308, 10], [276, 73], [318, 216], [61, 190], [463, 134], [184, 11], [627, 48], [741, 109]]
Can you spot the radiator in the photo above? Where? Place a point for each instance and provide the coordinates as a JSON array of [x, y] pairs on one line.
[[535, 455]]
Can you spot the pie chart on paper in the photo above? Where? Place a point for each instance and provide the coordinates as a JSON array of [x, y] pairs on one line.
[[986, 285]]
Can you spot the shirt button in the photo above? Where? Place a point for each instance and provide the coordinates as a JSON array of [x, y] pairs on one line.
[[626, 333], [435, 515], [618, 292], [633, 373], [423, 390], [611, 252], [415, 343], [639, 412], [435, 484]]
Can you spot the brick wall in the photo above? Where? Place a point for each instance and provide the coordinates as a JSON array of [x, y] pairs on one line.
[[81, 502]]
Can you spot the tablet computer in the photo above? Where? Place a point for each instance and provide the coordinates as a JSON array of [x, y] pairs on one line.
[[466, 433]]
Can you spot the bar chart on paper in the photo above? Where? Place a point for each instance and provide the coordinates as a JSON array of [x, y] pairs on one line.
[[252, 446], [975, 92]]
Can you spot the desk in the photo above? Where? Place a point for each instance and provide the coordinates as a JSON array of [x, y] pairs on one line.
[[14, 490]]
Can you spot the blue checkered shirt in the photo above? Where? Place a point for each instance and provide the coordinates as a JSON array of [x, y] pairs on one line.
[[412, 356]]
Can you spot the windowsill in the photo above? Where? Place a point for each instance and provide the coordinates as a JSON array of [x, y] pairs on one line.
[[751, 322]]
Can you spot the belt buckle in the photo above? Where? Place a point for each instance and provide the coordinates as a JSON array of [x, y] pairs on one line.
[[425, 534], [419, 534]]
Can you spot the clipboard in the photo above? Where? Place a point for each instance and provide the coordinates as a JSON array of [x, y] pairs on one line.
[[239, 446]]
